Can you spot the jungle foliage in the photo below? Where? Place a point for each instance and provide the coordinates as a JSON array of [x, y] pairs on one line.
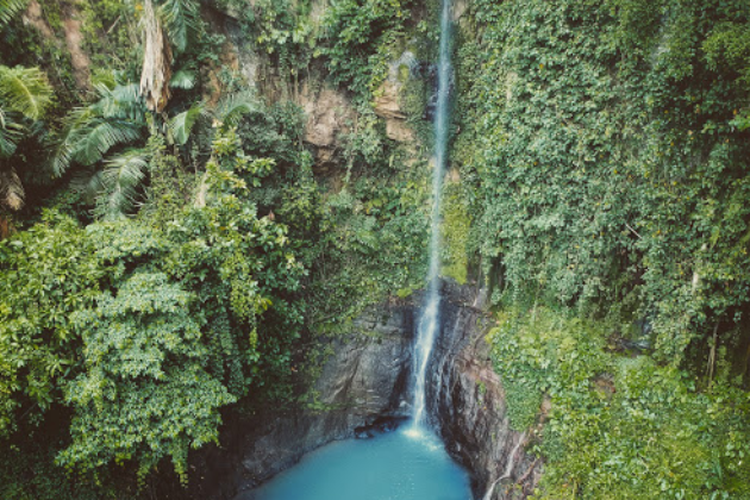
[[605, 149], [119, 320], [200, 255], [168, 269], [612, 162], [618, 424]]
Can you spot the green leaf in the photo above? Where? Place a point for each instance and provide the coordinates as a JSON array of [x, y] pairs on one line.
[[25, 91], [182, 124]]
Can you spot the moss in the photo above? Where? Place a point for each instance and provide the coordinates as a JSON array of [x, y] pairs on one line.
[[403, 73], [455, 233]]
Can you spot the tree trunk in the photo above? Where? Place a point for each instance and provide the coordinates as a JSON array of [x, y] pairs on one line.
[[12, 194], [157, 60], [712, 355]]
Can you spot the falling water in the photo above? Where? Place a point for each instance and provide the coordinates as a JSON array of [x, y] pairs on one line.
[[411, 463], [430, 320]]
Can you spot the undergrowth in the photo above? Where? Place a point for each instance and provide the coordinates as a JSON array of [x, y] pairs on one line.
[[620, 426]]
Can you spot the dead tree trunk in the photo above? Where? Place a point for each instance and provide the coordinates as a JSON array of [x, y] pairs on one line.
[[157, 60]]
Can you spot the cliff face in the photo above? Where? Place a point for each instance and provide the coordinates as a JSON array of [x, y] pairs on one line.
[[363, 382], [468, 403], [366, 381]]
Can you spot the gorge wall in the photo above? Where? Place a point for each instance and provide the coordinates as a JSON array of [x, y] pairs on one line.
[[468, 404], [364, 385]]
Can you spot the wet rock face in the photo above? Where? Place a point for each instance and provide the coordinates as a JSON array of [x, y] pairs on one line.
[[381, 425], [364, 389], [361, 392], [467, 404], [388, 101], [329, 115]]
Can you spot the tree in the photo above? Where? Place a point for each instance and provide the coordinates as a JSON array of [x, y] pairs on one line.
[[48, 272], [146, 392], [182, 21], [25, 95]]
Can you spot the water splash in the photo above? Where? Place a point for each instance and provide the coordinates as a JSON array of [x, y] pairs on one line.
[[430, 320]]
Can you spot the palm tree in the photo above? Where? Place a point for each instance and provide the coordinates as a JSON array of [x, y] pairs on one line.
[[227, 112], [25, 94], [105, 138], [108, 137], [118, 117], [9, 9]]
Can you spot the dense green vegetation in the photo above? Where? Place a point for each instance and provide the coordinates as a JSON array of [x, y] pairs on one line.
[[619, 425], [120, 320], [170, 254], [606, 144], [167, 235], [611, 153]]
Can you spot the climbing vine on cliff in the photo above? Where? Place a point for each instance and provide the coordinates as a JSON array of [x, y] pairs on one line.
[[608, 145], [612, 161], [617, 426]]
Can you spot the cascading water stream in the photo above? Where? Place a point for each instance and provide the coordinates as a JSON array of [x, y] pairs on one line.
[[430, 319], [411, 464]]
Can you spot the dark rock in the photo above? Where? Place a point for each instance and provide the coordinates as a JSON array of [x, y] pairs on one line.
[[365, 390], [430, 73], [467, 402], [362, 390], [381, 425]]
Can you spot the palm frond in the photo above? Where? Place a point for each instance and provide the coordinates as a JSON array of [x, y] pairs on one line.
[[25, 91], [90, 131], [121, 101], [73, 131], [88, 185], [181, 125], [10, 133], [101, 137], [183, 79], [182, 21], [9, 9], [231, 108], [120, 180], [127, 95], [107, 78]]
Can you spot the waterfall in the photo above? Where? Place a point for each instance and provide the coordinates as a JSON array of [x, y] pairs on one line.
[[429, 322]]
